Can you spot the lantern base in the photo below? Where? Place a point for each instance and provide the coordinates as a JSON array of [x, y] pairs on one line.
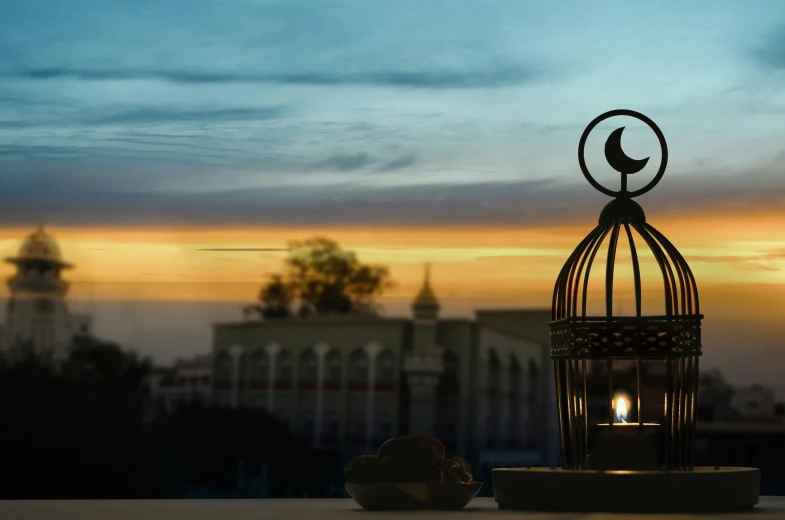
[[705, 489]]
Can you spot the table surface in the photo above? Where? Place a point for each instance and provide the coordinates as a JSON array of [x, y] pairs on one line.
[[310, 509]]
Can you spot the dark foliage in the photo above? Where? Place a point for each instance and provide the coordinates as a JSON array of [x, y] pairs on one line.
[[276, 299], [206, 443], [73, 429], [714, 398], [322, 278]]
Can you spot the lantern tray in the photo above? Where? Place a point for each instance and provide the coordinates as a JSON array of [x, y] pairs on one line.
[[704, 489]]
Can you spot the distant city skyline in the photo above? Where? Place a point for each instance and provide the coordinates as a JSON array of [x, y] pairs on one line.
[[170, 316]]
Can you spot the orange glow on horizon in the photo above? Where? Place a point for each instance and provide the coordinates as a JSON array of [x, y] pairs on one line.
[[483, 263]]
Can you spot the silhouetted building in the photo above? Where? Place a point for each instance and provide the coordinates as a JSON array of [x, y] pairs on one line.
[[37, 312], [744, 444], [779, 412], [188, 380], [483, 386], [754, 403], [714, 398]]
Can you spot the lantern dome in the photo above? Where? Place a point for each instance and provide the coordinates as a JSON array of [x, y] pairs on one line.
[[675, 329]]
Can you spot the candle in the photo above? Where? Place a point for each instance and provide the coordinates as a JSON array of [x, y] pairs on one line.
[[623, 445]]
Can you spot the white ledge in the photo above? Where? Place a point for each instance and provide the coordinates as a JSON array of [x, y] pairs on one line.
[[307, 509]]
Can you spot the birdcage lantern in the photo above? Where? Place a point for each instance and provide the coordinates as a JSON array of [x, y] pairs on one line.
[[626, 385], [626, 376]]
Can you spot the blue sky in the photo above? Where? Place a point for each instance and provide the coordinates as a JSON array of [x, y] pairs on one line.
[[408, 112], [389, 113]]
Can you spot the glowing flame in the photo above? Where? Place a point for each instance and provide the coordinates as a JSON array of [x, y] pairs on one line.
[[621, 409]]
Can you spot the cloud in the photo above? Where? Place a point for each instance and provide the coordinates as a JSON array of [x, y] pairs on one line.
[[770, 53], [774, 255], [398, 164], [78, 201], [755, 266], [362, 160], [94, 200], [15, 101], [344, 163], [720, 259], [37, 149], [162, 115], [245, 249], [494, 77], [743, 263], [148, 116], [115, 163]]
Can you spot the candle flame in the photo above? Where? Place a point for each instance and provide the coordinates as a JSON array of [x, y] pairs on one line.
[[621, 409]]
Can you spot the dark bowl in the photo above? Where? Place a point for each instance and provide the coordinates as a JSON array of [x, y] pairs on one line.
[[394, 496]]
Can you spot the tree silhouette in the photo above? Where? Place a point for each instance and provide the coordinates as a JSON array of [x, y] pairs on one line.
[[72, 428], [322, 278], [276, 299], [206, 443], [714, 398], [105, 364]]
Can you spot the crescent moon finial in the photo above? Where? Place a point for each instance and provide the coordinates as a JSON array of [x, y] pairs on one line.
[[620, 161]]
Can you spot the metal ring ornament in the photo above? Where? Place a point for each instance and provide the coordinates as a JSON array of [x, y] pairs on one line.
[[640, 117]]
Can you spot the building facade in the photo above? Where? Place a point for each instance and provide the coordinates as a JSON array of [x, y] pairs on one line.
[[483, 386], [37, 313], [186, 381]]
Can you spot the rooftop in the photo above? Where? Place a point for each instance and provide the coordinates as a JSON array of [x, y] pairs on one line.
[[39, 246], [757, 428], [531, 324]]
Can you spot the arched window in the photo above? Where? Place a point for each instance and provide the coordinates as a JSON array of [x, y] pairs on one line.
[[358, 366], [384, 429], [494, 400], [515, 377], [332, 363], [494, 374], [448, 408], [534, 382], [309, 366], [359, 428], [534, 399], [283, 366], [259, 365], [385, 367], [282, 415], [513, 403], [308, 423], [333, 428], [450, 374], [223, 366]]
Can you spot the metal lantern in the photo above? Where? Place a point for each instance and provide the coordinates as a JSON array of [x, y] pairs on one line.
[[626, 385], [581, 341]]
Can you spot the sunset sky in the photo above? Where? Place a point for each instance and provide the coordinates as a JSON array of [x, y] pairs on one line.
[[145, 133]]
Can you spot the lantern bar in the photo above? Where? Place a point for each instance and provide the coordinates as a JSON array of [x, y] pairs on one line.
[[626, 386]]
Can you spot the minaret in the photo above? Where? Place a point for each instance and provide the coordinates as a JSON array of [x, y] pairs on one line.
[[423, 364], [37, 312]]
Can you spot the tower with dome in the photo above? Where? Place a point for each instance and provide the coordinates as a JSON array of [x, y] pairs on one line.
[[37, 313]]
